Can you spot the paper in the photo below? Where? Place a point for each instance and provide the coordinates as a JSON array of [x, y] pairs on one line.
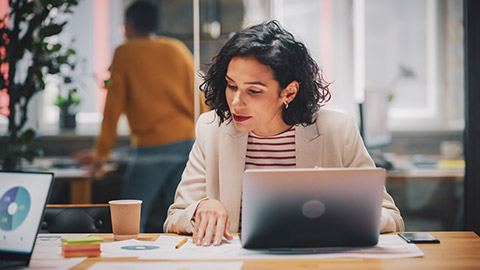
[[132, 248], [55, 264], [389, 246], [49, 246], [168, 265], [47, 253]]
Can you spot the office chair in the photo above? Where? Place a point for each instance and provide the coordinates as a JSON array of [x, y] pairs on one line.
[[76, 218]]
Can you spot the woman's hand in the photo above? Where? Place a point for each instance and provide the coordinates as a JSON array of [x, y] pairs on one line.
[[211, 223]]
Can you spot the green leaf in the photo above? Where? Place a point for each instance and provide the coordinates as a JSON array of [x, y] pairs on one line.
[[390, 96], [57, 3], [28, 136], [62, 59], [72, 95], [29, 158], [41, 85], [44, 2], [29, 7], [55, 48], [51, 30], [60, 101]]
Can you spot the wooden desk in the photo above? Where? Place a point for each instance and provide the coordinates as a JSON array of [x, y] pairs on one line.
[[457, 250], [450, 175], [405, 170]]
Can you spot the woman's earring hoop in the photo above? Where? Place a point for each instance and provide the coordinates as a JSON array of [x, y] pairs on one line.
[[286, 105]]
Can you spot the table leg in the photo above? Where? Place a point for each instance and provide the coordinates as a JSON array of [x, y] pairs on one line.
[[81, 191]]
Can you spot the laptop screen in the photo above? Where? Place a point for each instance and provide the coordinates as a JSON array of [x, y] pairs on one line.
[[22, 200]]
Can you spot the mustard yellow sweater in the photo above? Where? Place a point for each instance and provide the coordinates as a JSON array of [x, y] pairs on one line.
[[152, 82]]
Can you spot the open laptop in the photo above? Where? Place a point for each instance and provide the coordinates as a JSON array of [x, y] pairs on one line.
[[310, 208], [23, 196]]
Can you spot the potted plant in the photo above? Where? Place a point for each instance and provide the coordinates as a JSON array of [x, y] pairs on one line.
[[27, 54], [67, 105]]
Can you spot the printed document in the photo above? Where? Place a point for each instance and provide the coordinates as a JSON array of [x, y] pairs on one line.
[[389, 246]]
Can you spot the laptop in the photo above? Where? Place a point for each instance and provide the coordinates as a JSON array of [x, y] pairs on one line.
[[23, 196], [311, 208]]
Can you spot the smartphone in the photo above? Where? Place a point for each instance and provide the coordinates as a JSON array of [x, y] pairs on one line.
[[419, 238]]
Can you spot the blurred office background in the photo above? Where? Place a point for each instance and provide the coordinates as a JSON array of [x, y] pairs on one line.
[[398, 62]]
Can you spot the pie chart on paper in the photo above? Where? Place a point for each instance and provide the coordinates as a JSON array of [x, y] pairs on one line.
[[14, 207], [139, 247]]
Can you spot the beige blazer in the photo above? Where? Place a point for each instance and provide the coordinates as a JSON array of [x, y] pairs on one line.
[[217, 161]]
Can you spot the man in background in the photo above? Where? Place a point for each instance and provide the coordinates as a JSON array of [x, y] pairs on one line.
[[152, 82]]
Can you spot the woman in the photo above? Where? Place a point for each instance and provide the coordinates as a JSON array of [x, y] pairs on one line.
[[263, 86]]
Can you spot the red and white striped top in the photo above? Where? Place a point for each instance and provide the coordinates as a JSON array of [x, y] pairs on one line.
[[270, 152]]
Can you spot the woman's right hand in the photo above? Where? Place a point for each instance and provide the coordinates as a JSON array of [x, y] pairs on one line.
[[211, 223]]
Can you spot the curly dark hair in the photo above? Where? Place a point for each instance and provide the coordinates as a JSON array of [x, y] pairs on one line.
[[289, 60]]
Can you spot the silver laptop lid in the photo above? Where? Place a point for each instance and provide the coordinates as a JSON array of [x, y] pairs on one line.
[[23, 196], [298, 208]]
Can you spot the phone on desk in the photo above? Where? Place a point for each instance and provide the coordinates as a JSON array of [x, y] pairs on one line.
[[419, 238]]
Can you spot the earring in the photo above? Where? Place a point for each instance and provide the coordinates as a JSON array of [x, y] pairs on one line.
[[286, 105]]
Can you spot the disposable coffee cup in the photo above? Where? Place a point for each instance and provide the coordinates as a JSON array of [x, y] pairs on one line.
[[125, 218]]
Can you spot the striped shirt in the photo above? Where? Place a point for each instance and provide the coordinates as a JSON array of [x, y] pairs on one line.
[[270, 152]]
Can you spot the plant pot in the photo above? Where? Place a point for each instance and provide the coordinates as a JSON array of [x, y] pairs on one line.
[[67, 121]]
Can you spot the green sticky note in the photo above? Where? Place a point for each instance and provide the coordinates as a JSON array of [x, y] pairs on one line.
[[82, 240]]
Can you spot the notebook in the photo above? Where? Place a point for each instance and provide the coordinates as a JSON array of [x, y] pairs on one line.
[[309, 208], [23, 196]]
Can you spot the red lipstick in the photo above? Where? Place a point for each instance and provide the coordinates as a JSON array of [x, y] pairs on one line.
[[240, 118]]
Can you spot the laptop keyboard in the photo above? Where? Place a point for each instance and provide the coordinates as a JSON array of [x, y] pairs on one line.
[[9, 263]]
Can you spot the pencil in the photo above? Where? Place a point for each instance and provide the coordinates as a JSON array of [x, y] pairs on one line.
[[181, 243]]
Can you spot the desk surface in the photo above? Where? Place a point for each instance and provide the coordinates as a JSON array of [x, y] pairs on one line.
[[457, 250], [406, 170]]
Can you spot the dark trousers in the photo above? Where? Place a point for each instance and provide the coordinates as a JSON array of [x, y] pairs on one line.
[[152, 175]]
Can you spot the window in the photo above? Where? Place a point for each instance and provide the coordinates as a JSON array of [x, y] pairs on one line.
[[411, 51], [94, 40], [325, 28], [412, 48], [409, 45]]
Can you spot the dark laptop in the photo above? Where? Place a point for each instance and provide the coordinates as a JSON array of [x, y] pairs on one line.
[[311, 208], [23, 196]]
